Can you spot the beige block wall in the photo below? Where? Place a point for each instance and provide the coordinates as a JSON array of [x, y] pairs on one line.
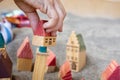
[[93, 8]]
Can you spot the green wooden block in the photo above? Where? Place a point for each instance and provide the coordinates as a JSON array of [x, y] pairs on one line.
[[43, 49], [2, 43]]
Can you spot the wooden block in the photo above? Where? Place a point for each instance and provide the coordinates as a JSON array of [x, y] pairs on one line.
[[51, 61], [24, 64], [111, 72], [76, 52], [40, 31], [5, 66], [65, 72], [43, 49], [5, 79], [43, 41], [25, 50], [40, 66]]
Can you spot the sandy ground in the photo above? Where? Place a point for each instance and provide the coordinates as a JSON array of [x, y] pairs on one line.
[[101, 37]]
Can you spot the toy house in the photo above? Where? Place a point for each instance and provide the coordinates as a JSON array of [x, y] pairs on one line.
[[5, 65], [112, 72], [24, 56], [1, 41], [76, 52], [51, 61], [41, 38], [65, 72], [40, 66]]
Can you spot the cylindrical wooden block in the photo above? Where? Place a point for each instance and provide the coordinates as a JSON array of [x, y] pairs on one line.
[[24, 64], [40, 67]]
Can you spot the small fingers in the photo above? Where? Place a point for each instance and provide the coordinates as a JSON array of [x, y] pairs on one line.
[[61, 13], [52, 14]]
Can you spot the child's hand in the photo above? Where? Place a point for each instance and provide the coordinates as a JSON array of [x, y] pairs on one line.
[[53, 8]]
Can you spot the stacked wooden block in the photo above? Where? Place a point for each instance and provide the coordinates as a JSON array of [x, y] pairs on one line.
[[24, 56], [42, 40], [51, 61], [5, 62]]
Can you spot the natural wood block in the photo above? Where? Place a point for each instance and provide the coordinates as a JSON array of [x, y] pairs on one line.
[[40, 66], [51, 69], [5, 78], [76, 52], [3, 52], [24, 64], [43, 41]]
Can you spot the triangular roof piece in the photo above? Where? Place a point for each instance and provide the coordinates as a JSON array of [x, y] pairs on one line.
[[51, 59], [64, 69], [110, 69], [5, 66], [40, 31], [25, 50], [1, 41], [115, 75]]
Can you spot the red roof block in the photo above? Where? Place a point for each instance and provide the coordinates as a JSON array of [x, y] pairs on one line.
[[65, 71], [40, 31], [51, 59], [111, 71], [25, 50], [115, 75]]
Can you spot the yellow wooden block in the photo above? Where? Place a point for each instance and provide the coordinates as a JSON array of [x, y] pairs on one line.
[[43, 41], [24, 64], [40, 66], [5, 78]]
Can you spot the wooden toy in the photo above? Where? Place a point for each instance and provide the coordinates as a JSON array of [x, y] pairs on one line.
[[111, 72], [24, 56], [41, 38], [51, 61], [43, 49], [5, 65], [76, 52], [65, 72], [1, 41], [40, 66]]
